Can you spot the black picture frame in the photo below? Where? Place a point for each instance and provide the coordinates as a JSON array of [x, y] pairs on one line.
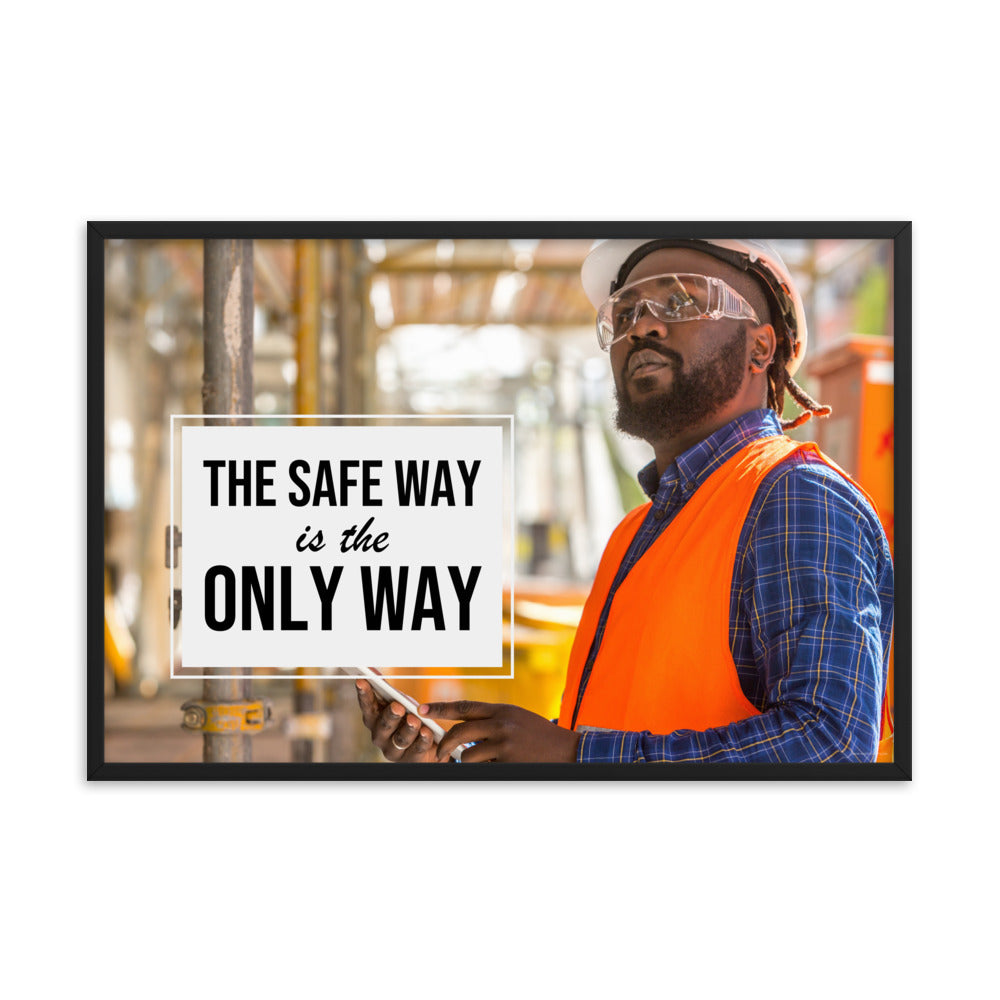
[[899, 233]]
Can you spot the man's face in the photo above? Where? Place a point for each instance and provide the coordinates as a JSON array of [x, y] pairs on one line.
[[672, 377]]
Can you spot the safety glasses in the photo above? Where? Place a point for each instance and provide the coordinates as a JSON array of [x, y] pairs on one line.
[[669, 298]]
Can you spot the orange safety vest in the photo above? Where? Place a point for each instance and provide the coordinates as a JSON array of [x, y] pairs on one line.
[[665, 661]]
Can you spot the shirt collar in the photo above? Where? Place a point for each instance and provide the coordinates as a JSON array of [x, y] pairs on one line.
[[696, 464]]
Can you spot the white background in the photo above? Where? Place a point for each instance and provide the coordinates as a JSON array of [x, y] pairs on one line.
[[510, 111], [463, 534]]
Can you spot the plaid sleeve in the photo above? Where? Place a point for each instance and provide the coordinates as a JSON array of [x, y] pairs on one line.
[[813, 582]]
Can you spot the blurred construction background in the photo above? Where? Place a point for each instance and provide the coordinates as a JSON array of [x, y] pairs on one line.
[[421, 326]]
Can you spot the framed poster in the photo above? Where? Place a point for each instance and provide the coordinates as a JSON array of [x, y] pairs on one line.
[[326, 458]]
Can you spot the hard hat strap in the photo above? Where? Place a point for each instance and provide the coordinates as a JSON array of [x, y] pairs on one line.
[[733, 257]]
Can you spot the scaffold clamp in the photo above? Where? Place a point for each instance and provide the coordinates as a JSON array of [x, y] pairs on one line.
[[226, 717], [173, 543]]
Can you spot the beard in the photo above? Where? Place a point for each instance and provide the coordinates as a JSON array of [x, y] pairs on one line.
[[692, 396]]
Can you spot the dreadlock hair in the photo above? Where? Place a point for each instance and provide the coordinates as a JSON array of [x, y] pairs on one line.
[[778, 380]]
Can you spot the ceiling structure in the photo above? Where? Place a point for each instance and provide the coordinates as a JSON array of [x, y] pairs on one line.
[[394, 289], [157, 286]]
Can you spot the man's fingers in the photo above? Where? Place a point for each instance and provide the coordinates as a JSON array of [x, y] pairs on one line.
[[395, 731], [465, 732], [405, 736], [370, 705], [407, 732], [386, 724], [458, 709], [399, 734], [420, 746], [480, 753]]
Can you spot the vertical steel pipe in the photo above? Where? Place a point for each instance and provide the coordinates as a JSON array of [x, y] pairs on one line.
[[307, 692], [353, 365], [227, 389], [307, 329], [351, 362]]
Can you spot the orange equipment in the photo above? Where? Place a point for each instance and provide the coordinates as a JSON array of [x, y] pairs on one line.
[[855, 377]]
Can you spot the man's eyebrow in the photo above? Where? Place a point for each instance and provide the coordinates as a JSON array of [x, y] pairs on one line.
[[627, 297], [630, 294], [673, 282]]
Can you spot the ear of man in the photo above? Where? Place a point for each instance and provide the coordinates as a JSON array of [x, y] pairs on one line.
[[763, 344]]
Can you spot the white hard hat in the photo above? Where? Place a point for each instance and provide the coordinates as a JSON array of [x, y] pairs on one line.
[[602, 275]]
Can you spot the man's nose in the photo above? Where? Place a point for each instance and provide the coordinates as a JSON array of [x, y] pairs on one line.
[[645, 324]]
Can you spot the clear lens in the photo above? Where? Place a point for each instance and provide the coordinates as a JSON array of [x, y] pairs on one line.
[[669, 298]]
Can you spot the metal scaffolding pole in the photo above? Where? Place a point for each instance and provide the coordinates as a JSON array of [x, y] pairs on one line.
[[352, 365], [307, 330], [310, 724], [354, 374], [227, 388]]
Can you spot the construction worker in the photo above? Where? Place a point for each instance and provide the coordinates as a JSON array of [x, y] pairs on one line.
[[745, 612]]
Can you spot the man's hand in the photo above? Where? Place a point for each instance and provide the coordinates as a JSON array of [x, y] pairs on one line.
[[501, 733], [399, 735]]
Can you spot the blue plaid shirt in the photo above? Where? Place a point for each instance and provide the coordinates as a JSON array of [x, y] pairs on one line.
[[810, 618]]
